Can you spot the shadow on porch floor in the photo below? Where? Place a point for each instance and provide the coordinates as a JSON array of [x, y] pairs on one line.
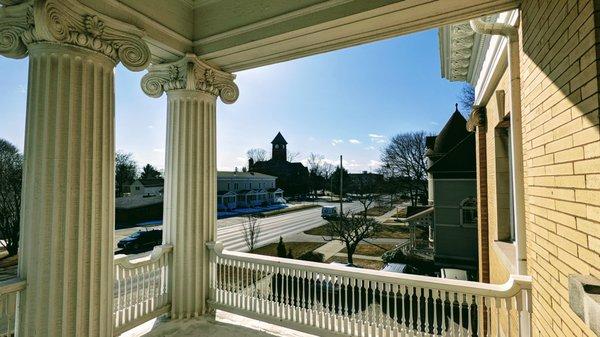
[[225, 325]]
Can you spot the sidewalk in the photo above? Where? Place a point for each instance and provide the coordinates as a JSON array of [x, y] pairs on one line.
[[389, 214], [329, 249], [358, 256]]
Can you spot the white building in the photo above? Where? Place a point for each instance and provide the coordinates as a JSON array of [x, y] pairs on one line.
[[246, 189], [147, 187]]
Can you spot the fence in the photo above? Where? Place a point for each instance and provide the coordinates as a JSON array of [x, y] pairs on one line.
[[318, 298], [142, 288]]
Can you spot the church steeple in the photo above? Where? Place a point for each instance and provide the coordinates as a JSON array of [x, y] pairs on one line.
[[279, 150]]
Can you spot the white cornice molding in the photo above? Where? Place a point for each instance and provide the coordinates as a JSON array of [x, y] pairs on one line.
[[460, 51], [493, 62], [483, 64], [270, 21], [292, 45]]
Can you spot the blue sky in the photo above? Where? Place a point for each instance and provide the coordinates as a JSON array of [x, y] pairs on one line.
[[343, 102]]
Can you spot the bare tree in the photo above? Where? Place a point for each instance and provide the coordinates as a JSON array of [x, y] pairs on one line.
[[351, 230], [291, 156], [365, 190], [405, 157], [315, 162], [11, 171], [315, 167], [257, 154], [466, 98], [327, 171], [251, 231]]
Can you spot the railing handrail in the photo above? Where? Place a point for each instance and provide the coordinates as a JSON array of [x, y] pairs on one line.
[[139, 261], [12, 285], [513, 285]]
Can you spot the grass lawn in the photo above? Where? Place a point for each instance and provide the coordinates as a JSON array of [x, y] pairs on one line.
[[316, 231], [389, 232], [400, 214], [286, 210], [377, 210], [367, 264], [371, 250], [298, 248], [394, 232]]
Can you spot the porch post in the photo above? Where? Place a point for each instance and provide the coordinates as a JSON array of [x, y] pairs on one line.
[[189, 219], [67, 210]]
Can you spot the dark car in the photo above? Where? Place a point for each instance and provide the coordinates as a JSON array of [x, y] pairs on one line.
[[141, 241]]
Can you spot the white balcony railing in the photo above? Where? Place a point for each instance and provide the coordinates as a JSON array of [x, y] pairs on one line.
[[141, 289], [330, 299], [9, 292]]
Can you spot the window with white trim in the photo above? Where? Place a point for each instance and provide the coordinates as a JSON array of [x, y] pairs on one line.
[[468, 212]]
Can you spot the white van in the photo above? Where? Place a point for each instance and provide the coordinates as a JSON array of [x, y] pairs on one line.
[[329, 212]]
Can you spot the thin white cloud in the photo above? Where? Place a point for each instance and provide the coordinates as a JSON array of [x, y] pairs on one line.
[[370, 148], [159, 150], [351, 163], [376, 138], [434, 123], [311, 139], [354, 141], [375, 163], [335, 142], [22, 89]]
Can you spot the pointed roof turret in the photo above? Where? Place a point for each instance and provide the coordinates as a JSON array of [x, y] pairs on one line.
[[453, 132], [279, 139]]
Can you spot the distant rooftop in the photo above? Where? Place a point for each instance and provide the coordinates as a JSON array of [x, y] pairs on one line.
[[234, 174]]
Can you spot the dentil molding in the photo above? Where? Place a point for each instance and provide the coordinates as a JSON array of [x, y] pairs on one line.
[[63, 21], [190, 73]]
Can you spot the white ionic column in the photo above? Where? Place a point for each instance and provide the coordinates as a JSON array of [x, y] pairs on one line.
[[67, 207], [189, 219], [68, 199]]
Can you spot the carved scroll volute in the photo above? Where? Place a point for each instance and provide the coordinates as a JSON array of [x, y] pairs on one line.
[[72, 23], [14, 21], [190, 73]]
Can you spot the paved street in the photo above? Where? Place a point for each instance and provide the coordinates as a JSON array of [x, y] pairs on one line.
[[230, 231]]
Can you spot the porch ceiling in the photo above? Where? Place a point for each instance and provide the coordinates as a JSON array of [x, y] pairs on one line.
[[236, 35]]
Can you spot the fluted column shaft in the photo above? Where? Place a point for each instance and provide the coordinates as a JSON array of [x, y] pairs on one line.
[[190, 193], [67, 217], [189, 218]]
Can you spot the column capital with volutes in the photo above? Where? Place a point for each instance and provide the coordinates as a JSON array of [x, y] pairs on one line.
[[23, 23], [192, 74]]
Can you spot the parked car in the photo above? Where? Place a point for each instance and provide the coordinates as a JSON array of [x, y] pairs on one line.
[[141, 241], [329, 212]]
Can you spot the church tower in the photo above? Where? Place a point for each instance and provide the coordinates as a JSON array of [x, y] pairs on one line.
[[279, 151]]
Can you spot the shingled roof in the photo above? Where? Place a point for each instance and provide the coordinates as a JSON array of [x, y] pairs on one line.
[[459, 161], [279, 139], [453, 132]]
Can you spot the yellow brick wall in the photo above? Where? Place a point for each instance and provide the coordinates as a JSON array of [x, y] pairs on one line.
[[499, 272], [499, 269], [561, 140]]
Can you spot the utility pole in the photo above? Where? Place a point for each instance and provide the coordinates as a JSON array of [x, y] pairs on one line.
[[341, 188]]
